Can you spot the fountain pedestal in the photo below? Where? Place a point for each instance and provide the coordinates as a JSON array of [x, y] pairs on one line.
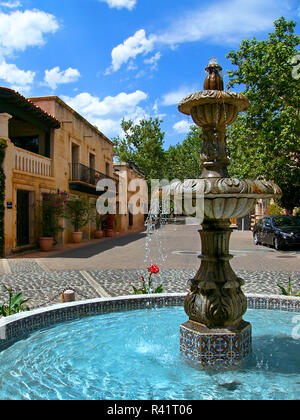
[[215, 347], [216, 333]]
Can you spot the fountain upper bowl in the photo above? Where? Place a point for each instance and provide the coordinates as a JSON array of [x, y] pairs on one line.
[[210, 97], [214, 108]]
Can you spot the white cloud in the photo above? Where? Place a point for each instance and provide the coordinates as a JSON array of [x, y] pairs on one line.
[[174, 97], [55, 77], [120, 4], [182, 127], [153, 60], [13, 75], [23, 29], [220, 22], [107, 114], [19, 80], [131, 47], [11, 4]]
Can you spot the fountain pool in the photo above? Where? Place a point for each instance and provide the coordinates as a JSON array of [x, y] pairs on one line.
[[134, 354]]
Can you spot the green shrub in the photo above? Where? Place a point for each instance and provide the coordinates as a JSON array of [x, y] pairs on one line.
[[289, 290], [79, 211], [50, 209], [15, 304]]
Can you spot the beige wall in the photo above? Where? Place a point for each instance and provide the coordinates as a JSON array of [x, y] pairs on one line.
[[74, 130], [138, 221]]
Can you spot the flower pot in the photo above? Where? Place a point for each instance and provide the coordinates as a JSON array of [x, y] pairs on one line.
[[108, 233], [98, 234], [46, 244], [77, 237]]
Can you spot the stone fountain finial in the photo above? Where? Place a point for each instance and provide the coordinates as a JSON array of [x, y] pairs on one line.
[[214, 110], [214, 80]]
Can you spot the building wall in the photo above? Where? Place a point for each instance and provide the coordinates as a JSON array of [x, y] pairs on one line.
[[75, 130], [138, 220]]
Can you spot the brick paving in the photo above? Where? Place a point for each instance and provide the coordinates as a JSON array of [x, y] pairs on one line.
[[43, 287], [111, 267]]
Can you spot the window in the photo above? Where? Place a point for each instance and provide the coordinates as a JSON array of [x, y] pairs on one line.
[[30, 143], [107, 169], [92, 161]]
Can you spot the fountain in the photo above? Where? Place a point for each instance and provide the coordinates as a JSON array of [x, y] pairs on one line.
[[216, 333], [126, 348]]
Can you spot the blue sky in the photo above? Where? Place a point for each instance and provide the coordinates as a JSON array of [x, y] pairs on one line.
[[110, 59]]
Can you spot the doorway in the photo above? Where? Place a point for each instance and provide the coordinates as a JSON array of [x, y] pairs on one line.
[[23, 218]]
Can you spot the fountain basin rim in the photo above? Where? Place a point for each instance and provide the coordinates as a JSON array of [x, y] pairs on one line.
[[213, 97], [17, 327]]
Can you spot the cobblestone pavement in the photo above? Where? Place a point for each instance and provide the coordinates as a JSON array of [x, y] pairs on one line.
[[110, 267], [43, 287]]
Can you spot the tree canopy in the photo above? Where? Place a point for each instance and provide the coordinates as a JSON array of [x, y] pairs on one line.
[[142, 144], [183, 159], [264, 142]]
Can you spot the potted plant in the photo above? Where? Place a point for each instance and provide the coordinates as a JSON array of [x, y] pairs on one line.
[[108, 224], [50, 210], [79, 213], [99, 226]]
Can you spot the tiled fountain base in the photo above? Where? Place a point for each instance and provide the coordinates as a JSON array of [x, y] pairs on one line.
[[215, 347]]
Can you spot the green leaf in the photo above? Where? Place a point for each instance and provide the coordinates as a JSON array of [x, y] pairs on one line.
[[159, 289], [283, 290], [16, 300]]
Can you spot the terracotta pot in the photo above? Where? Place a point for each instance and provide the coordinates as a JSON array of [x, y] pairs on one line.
[[77, 237], [109, 233], [46, 244], [98, 234]]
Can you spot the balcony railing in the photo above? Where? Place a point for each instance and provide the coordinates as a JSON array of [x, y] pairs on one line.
[[31, 163], [82, 173]]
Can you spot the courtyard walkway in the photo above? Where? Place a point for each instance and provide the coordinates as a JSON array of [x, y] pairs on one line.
[[108, 267]]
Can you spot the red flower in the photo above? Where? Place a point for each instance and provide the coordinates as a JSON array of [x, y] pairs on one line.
[[153, 269]]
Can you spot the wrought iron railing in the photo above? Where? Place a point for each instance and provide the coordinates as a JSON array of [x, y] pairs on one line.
[[82, 173]]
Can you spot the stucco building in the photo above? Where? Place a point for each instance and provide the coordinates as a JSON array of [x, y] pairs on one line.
[[50, 148], [132, 220]]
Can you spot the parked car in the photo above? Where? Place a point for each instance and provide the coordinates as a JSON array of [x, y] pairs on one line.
[[278, 231]]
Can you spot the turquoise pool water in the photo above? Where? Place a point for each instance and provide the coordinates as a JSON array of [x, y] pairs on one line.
[[135, 356]]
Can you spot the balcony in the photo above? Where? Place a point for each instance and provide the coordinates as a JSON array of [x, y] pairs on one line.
[[85, 179], [31, 163]]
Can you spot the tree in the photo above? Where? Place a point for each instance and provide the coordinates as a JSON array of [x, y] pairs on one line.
[[183, 159], [264, 142], [142, 144]]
